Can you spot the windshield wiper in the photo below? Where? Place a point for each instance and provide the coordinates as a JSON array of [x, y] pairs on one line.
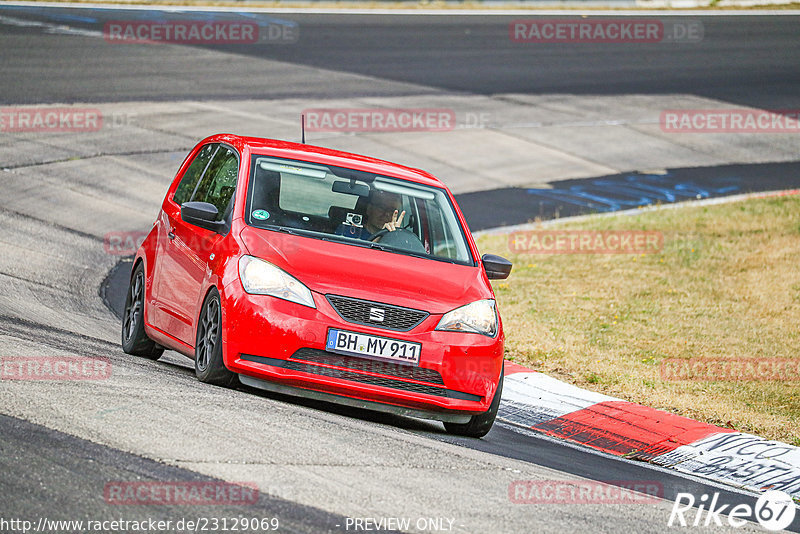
[[373, 244], [285, 229]]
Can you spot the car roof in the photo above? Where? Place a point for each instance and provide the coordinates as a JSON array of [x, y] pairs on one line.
[[317, 154]]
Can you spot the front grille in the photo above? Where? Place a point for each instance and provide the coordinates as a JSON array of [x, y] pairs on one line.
[[370, 366], [346, 374], [376, 314], [365, 379]]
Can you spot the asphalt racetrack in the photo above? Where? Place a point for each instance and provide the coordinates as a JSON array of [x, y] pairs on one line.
[[744, 60]]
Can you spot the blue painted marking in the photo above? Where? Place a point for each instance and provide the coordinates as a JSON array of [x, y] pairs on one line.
[[661, 193], [637, 199], [636, 190], [71, 18], [654, 194], [573, 198], [331, 343], [600, 198]]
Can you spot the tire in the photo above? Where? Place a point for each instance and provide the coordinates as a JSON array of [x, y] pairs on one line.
[[208, 364], [479, 425], [134, 339]]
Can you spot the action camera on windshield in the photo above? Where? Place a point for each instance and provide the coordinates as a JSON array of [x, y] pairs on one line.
[[353, 219]]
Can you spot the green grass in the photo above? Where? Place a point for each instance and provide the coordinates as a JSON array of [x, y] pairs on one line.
[[725, 285]]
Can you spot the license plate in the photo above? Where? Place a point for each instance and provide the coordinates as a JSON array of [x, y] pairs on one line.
[[382, 348]]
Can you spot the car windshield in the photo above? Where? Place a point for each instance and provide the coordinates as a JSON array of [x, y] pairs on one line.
[[354, 207]]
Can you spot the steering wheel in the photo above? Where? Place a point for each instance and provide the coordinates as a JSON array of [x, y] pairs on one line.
[[401, 238]]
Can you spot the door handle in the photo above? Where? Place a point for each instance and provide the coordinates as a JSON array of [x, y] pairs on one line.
[[171, 235]]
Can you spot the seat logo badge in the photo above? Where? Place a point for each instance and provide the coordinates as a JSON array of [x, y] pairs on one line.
[[376, 315]]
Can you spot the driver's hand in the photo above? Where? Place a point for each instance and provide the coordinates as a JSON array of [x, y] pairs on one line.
[[395, 223]]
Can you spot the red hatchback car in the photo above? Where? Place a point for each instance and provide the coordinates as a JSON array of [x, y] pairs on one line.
[[312, 272]]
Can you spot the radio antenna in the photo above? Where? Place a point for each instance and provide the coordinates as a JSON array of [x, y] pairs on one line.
[[302, 128]]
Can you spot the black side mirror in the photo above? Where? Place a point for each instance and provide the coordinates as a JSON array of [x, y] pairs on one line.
[[496, 267], [202, 214]]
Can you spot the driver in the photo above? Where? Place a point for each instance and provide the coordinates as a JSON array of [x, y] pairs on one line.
[[381, 214]]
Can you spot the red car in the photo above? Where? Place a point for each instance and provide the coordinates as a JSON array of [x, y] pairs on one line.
[[313, 272]]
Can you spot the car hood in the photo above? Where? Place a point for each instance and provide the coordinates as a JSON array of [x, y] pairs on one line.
[[329, 267]]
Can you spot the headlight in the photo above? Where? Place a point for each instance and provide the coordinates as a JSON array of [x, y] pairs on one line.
[[479, 317], [260, 277]]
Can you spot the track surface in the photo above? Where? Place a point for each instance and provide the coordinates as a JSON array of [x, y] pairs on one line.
[[55, 476], [744, 60], [314, 463]]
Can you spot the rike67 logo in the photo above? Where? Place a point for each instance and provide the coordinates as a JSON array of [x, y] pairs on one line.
[[774, 510]]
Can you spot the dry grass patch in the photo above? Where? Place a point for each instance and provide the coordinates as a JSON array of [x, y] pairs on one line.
[[725, 285]]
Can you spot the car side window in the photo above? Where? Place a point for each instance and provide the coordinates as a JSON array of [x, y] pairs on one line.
[[219, 181], [193, 173]]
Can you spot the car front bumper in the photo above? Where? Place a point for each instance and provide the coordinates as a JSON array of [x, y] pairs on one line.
[[280, 346]]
